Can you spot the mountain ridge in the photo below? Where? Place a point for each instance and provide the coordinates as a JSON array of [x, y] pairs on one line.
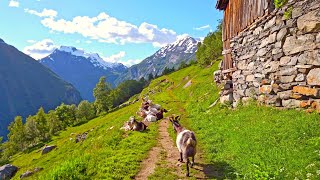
[[26, 85]]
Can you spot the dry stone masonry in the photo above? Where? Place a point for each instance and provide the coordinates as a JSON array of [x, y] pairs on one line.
[[277, 60]]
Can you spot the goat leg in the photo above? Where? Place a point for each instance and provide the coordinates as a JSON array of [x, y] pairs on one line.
[[187, 163], [181, 159], [192, 162]]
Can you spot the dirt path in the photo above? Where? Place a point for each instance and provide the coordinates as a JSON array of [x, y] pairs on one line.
[[166, 144]]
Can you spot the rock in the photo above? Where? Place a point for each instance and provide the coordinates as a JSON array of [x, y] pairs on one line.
[[300, 77], [262, 52], [276, 51], [250, 77], [257, 31], [303, 66], [26, 174], [187, 84], [285, 94], [296, 12], [294, 45], [313, 77], [310, 57], [291, 103], [247, 55], [270, 23], [265, 89], [7, 171], [278, 45], [284, 71], [318, 38], [287, 79], [272, 38], [306, 91], [47, 149], [285, 60], [309, 22], [242, 65], [272, 66]]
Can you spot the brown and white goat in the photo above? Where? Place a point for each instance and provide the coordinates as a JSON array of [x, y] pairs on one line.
[[186, 142], [135, 125]]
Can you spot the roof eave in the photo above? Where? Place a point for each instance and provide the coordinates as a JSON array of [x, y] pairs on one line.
[[222, 4]]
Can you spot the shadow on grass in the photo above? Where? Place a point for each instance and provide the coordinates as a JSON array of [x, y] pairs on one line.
[[217, 170]]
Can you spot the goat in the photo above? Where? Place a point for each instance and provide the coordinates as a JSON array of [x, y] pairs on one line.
[[150, 118], [135, 125], [186, 142], [159, 115]]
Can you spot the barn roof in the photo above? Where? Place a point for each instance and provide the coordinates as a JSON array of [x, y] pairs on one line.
[[222, 4]]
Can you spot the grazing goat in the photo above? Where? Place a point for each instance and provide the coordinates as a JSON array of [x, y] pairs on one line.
[[186, 142], [135, 125], [159, 114]]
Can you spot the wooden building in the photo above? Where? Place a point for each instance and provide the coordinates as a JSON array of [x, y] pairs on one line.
[[238, 16]]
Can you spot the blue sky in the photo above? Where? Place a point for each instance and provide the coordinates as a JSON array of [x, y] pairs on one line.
[[124, 31]]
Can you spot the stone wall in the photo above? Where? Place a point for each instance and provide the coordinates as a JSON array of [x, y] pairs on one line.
[[277, 60]]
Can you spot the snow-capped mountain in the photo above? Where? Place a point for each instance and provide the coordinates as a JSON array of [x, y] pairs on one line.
[[183, 50], [82, 69]]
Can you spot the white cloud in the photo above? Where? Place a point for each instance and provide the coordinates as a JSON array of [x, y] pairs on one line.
[[131, 62], [105, 28], [40, 49], [13, 3], [116, 57], [45, 12], [88, 42], [202, 27]]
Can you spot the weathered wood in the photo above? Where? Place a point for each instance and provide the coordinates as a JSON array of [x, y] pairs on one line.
[[238, 16]]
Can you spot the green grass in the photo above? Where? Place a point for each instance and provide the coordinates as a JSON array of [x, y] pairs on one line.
[[250, 142], [107, 153]]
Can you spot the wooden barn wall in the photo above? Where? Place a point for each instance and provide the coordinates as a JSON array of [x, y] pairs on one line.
[[238, 15]]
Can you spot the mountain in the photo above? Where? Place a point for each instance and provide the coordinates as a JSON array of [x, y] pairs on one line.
[[82, 69], [183, 50], [26, 85]]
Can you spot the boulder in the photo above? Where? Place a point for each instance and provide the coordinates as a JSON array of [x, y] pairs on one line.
[[282, 34], [26, 174], [291, 103], [285, 94], [306, 91], [294, 44], [300, 77], [313, 77], [47, 149], [309, 22], [287, 79], [265, 89], [7, 171], [288, 71]]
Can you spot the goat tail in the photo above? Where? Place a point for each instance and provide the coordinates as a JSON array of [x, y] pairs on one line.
[[191, 142]]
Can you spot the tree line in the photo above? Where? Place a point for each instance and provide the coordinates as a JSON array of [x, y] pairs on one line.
[[211, 47], [39, 128]]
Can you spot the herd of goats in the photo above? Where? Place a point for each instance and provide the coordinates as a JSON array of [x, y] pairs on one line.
[[150, 112]]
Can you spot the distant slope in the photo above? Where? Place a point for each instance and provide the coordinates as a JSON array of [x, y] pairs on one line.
[[82, 69], [26, 85], [183, 50]]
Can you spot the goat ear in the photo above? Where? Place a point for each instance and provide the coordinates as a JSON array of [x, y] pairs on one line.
[[177, 118]]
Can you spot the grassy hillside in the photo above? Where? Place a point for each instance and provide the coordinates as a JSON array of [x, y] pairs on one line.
[[107, 152], [251, 142]]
